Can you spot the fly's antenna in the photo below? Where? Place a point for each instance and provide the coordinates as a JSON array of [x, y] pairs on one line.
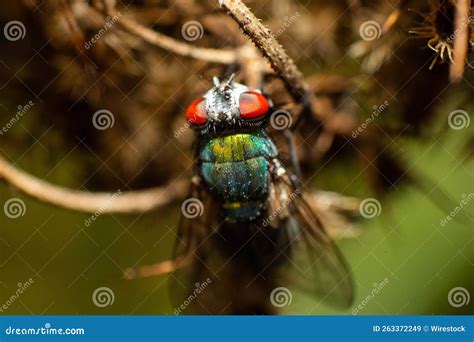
[[230, 80], [216, 81]]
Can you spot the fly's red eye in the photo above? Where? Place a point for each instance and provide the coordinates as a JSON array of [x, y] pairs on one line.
[[196, 113], [253, 105]]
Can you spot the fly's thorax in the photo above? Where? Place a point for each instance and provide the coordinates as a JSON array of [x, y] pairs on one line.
[[237, 147]]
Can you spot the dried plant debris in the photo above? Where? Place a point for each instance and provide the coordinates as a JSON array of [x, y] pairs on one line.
[[443, 25]]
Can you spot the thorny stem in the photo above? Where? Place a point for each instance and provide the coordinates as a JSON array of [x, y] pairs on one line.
[[265, 41]]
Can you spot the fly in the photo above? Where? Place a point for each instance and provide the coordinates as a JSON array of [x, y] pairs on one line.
[[256, 232]]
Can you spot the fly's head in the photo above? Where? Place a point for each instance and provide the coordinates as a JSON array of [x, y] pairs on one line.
[[228, 106]]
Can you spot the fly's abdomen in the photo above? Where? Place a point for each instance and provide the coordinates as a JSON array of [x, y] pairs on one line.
[[235, 169]]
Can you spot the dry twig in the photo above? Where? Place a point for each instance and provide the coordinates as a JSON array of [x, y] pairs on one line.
[[266, 42], [143, 201], [126, 203], [221, 56], [461, 40]]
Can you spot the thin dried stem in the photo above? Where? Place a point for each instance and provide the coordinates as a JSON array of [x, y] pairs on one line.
[[157, 269], [338, 207], [221, 56], [106, 203], [461, 40]]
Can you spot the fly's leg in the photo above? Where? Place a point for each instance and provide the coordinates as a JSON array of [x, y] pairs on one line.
[[295, 163]]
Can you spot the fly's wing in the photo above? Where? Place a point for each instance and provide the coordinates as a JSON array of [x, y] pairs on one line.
[[192, 284], [316, 265], [223, 267]]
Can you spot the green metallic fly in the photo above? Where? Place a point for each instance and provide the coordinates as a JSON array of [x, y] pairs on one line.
[[255, 231]]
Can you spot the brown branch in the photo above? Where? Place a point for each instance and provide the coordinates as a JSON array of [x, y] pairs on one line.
[[266, 42], [221, 56], [461, 40], [106, 203]]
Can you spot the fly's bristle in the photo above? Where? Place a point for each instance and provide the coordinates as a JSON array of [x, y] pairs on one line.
[[230, 80]]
